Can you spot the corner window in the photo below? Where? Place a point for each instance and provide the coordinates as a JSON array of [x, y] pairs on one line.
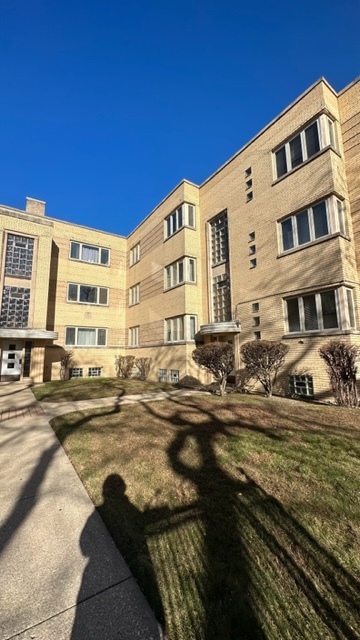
[[135, 254], [180, 329], [89, 253], [134, 336], [134, 294], [331, 309], [183, 216], [318, 135], [85, 337], [322, 219], [183, 270], [87, 294]]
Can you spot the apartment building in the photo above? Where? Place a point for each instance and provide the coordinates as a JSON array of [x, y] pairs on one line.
[[267, 247]]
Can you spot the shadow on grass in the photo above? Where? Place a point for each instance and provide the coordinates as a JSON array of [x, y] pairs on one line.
[[240, 519], [239, 563]]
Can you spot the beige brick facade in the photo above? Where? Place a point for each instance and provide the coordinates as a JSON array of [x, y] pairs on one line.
[[268, 246]]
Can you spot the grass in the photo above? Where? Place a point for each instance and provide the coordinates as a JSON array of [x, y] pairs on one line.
[[87, 388], [239, 516]]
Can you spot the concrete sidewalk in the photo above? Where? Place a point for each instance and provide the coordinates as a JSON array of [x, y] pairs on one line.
[[61, 576]]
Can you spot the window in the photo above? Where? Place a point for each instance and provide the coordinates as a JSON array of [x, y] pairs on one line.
[[249, 196], [304, 145], [255, 307], [318, 221], [76, 372], [85, 337], [183, 270], [183, 216], [180, 328], [94, 372], [19, 256], [321, 311], [135, 254], [134, 294], [256, 321], [248, 183], [253, 263], [257, 335], [15, 307], [252, 250], [87, 294], [248, 172], [219, 240], [301, 386], [89, 253], [252, 236], [134, 336], [174, 376], [221, 298], [162, 375]]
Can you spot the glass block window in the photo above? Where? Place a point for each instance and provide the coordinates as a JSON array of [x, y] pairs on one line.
[[76, 372], [174, 376], [219, 240], [15, 307], [301, 386], [221, 299], [94, 372], [162, 375], [19, 256]]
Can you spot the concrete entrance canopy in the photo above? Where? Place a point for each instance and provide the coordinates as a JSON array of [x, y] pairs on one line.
[[220, 327]]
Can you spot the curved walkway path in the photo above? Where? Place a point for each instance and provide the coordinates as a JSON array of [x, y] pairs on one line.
[[61, 575]]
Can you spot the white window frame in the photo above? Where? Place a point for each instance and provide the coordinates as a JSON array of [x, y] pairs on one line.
[[162, 375], [98, 289], [76, 372], [85, 346], [326, 135], [182, 216], [134, 334], [134, 294], [180, 328], [335, 221], [83, 245], [301, 385], [135, 254], [180, 272], [94, 372], [344, 306]]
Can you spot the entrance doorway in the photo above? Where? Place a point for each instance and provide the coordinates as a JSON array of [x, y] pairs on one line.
[[11, 361]]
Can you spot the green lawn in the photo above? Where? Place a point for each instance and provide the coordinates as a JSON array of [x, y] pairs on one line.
[[239, 516], [87, 388]]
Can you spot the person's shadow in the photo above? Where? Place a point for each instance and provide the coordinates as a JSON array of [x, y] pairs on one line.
[[126, 525]]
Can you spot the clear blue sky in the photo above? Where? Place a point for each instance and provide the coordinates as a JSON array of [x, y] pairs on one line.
[[106, 106]]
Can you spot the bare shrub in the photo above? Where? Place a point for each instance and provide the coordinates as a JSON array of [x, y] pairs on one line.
[[262, 360], [144, 366], [124, 366], [218, 359], [66, 363], [340, 359]]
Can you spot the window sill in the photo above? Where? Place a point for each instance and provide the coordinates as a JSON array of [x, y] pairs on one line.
[[134, 304], [180, 284], [96, 264], [312, 243], [89, 304], [323, 332]]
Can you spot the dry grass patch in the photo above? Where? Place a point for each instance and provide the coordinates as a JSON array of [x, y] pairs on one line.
[[88, 388], [239, 516]]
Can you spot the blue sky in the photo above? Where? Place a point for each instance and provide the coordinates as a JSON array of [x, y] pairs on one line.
[[106, 106]]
